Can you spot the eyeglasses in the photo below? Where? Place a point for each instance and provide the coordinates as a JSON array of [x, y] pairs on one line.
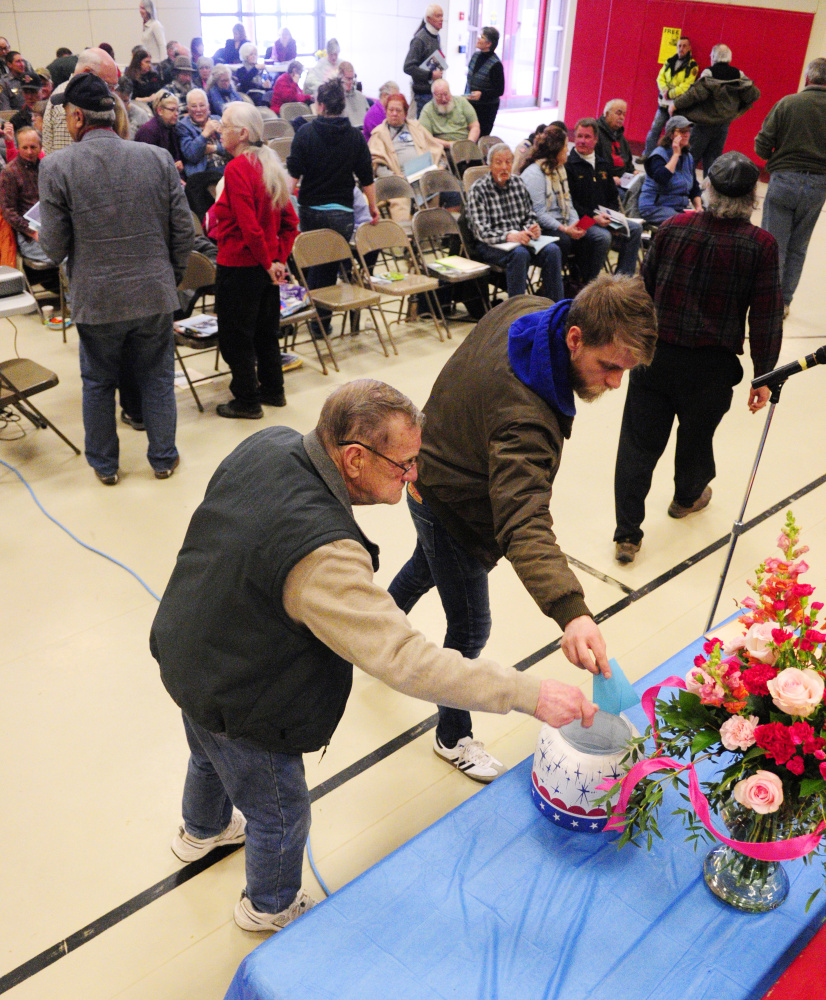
[[405, 468]]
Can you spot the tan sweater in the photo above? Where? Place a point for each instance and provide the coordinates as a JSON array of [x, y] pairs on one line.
[[369, 630]]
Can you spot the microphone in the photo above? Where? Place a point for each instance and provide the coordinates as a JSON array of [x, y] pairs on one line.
[[779, 375]]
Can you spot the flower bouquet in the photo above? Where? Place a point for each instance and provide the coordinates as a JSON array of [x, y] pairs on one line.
[[754, 706]]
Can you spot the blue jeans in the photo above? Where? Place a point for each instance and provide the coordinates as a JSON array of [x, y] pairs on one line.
[[660, 118], [270, 790], [790, 212], [589, 251], [325, 274], [707, 143], [628, 248], [421, 100], [462, 581], [146, 346], [516, 263]]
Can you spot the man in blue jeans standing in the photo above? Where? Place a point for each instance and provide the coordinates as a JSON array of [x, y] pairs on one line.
[[495, 424], [792, 142]]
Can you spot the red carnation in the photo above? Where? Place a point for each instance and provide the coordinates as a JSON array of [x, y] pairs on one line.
[[776, 740], [822, 770], [795, 765], [814, 636], [780, 636], [754, 678]]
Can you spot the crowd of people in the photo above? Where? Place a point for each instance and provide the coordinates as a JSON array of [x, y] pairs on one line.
[[288, 623]]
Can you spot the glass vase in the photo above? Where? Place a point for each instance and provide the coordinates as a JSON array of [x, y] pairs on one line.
[[743, 882]]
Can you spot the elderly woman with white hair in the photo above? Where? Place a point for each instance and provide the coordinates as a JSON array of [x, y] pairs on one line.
[[220, 91], [255, 226], [720, 94], [250, 78], [203, 155]]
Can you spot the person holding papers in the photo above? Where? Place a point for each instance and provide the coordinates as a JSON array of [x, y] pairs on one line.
[[547, 183], [502, 219], [594, 194]]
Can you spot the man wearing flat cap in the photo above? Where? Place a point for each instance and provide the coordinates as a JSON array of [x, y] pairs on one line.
[[117, 210], [704, 271]]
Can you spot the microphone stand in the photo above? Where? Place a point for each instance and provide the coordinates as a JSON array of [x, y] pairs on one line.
[[775, 380]]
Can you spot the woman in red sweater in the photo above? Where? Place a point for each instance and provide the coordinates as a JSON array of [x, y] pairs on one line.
[[286, 88], [255, 225]]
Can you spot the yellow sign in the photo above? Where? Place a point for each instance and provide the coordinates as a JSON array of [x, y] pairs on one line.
[[668, 43]]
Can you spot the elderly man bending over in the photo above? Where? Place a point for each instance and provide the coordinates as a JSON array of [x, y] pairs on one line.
[[268, 608], [502, 219]]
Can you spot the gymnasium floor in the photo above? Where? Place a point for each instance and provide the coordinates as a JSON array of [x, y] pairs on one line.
[[93, 749]]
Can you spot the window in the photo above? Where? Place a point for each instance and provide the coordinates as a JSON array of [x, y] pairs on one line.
[[309, 22]]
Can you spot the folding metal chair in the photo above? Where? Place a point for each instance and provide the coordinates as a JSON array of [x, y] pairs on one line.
[[21, 379], [267, 113], [472, 174], [393, 188], [282, 147], [389, 238], [431, 228], [325, 246], [293, 109], [485, 143], [277, 128], [436, 182], [199, 277], [464, 153]]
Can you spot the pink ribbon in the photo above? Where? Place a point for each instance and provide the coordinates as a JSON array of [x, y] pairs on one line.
[[775, 850]]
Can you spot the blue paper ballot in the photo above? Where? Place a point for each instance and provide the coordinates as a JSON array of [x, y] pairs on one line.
[[614, 694]]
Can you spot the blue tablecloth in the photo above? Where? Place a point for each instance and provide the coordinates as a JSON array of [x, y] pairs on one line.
[[496, 901]]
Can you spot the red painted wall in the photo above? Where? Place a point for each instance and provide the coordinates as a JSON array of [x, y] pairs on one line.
[[616, 44]]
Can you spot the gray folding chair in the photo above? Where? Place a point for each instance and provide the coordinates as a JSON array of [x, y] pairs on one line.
[[325, 246], [20, 379], [389, 239], [464, 153], [199, 278], [485, 143], [277, 128], [436, 182], [293, 109], [282, 147], [472, 174], [432, 227], [393, 188]]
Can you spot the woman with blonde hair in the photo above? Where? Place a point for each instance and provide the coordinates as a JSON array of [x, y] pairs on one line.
[[255, 226]]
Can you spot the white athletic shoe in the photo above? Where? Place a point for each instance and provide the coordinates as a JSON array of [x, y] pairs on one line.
[[188, 848], [470, 757], [250, 919]]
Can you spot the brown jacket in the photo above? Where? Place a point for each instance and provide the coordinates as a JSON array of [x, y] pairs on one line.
[[490, 452]]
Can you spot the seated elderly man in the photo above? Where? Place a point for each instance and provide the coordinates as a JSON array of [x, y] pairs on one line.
[[502, 220], [202, 154], [447, 118], [355, 103], [611, 142], [592, 187], [18, 193]]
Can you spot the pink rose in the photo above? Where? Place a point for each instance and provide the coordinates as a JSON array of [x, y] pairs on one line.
[[757, 642], [737, 733], [762, 792], [796, 692], [733, 645]]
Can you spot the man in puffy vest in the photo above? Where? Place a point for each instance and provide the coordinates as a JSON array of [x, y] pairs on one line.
[[271, 602], [675, 77]]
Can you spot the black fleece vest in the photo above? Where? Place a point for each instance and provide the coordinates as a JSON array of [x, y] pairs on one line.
[[230, 656]]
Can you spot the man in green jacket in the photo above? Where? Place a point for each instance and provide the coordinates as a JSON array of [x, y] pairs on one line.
[[792, 140], [492, 440]]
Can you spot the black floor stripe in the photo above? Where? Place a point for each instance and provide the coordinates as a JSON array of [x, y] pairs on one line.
[[598, 574], [90, 931]]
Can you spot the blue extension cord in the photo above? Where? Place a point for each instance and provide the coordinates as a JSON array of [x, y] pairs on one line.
[[149, 590]]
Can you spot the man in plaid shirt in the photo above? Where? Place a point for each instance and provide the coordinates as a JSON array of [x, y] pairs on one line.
[[500, 211], [704, 271]]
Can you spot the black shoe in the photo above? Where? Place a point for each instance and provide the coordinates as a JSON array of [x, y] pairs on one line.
[[274, 398], [166, 473], [110, 480], [235, 409], [137, 425]]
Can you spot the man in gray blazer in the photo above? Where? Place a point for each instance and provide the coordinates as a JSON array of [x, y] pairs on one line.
[[118, 212]]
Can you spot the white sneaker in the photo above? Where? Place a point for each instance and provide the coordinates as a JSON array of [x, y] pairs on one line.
[[250, 919], [470, 757], [188, 848]]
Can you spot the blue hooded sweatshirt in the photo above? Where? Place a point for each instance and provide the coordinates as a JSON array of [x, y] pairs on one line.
[[540, 357]]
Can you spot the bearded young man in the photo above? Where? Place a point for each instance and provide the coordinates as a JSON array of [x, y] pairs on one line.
[[496, 421]]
